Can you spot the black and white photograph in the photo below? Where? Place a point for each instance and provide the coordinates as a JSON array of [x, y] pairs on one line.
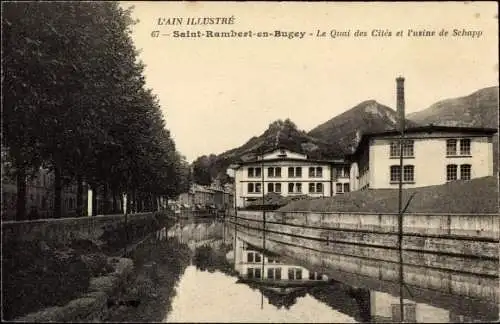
[[250, 162]]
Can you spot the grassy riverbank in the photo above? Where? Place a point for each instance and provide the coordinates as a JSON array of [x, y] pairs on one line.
[[36, 275]]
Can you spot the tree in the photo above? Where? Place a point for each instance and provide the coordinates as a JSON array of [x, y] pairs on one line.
[[75, 101], [201, 170]]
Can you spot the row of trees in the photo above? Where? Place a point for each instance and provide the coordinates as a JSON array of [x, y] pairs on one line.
[[75, 101], [208, 168]]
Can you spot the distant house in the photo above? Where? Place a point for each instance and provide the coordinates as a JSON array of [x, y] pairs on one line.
[[432, 155], [200, 197], [289, 174]]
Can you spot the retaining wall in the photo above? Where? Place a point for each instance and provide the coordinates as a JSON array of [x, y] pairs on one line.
[[456, 254]]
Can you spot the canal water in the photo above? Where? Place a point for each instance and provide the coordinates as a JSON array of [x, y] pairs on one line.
[[203, 272]]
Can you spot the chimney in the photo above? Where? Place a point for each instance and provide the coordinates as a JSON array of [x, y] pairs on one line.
[[400, 102]]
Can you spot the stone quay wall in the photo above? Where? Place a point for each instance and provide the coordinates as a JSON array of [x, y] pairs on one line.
[[449, 253]]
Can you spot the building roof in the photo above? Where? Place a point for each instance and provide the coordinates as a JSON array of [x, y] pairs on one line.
[[266, 161], [425, 129], [436, 128]]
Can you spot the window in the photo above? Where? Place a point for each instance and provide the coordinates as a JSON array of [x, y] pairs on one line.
[[274, 273], [315, 276], [338, 188], [451, 172], [451, 147], [274, 187], [253, 187], [407, 148], [253, 273], [257, 257], [394, 149], [294, 274], [346, 187], [254, 172], [395, 174], [253, 257], [343, 172], [316, 187], [465, 172], [294, 187], [315, 172], [408, 173], [465, 146], [294, 172], [274, 172]]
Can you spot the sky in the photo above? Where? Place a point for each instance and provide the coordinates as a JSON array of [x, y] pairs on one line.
[[216, 93], [222, 300]]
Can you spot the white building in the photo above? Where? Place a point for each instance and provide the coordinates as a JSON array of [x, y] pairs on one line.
[[289, 173], [249, 265], [432, 155]]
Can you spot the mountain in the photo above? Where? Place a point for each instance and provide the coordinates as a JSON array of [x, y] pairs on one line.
[[280, 134], [479, 109], [340, 135], [345, 130], [284, 134]]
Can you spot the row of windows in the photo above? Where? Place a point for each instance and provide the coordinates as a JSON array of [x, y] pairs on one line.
[[275, 273], [314, 187], [451, 172], [293, 172], [463, 146]]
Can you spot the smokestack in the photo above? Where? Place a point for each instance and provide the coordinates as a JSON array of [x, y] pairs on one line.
[[400, 102]]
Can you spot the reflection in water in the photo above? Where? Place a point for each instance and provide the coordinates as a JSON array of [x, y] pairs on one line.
[[206, 274]]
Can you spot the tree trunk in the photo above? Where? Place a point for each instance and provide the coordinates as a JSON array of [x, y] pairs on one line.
[[134, 205], [57, 192], [21, 194], [94, 200], [115, 203], [129, 202], [105, 199], [79, 196]]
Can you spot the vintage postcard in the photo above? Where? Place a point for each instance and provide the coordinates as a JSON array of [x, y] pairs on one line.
[[203, 161]]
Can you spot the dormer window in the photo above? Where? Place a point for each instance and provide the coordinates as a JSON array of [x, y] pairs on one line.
[[282, 154]]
